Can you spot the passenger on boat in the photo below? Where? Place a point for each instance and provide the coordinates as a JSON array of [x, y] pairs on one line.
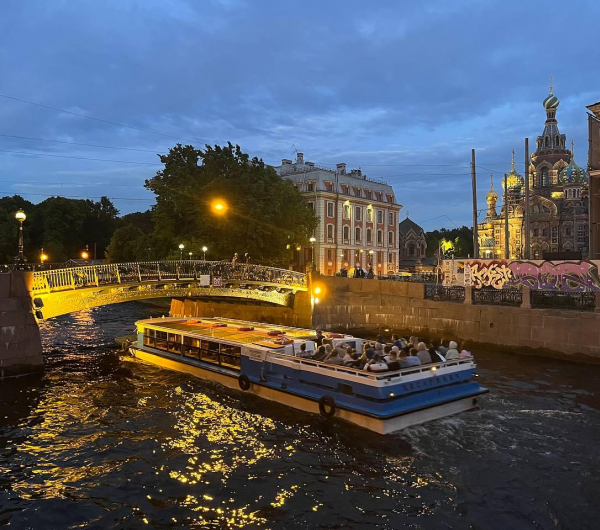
[[386, 353], [423, 353], [376, 364], [413, 341], [436, 356], [411, 360], [334, 358], [393, 363], [465, 355], [319, 339], [349, 359], [443, 347], [369, 350], [320, 354], [452, 353], [234, 259], [303, 353], [397, 341]]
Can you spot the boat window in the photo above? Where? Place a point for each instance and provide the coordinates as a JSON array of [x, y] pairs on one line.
[[210, 351], [161, 340], [174, 343], [230, 355], [191, 347], [149, 337]]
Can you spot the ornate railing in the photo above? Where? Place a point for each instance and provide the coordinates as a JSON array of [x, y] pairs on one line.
[[585, 301], [510, 297], [157, 271], [442, 293], [416, 277]]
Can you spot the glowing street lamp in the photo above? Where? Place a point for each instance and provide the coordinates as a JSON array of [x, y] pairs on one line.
[[219, 206], [312, 252], [181, 247], [204, 249], [43, 257], [20, 216]]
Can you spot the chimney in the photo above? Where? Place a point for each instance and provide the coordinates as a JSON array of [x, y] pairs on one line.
[[310, 164], [285, 161], [341, 168], [299, 158]]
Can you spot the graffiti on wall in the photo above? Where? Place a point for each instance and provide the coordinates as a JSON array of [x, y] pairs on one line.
[[567, 276]]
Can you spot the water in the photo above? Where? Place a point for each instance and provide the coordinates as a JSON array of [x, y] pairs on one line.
[[105, 442]]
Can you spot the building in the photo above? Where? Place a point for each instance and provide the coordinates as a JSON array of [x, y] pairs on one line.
[[412, 243], [594, 177], [558, 205], [358, 218]]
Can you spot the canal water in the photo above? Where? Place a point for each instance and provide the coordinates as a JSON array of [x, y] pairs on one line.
[[100, 441]]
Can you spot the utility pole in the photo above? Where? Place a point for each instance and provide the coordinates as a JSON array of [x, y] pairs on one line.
[[526, 211], [506, 233], [474, 184]]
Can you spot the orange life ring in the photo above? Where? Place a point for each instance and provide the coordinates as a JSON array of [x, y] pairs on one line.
[[219, 325], [334, 336], [246, 328], [275, 332]]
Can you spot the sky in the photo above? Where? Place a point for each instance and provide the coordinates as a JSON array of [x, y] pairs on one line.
[[91, 91]]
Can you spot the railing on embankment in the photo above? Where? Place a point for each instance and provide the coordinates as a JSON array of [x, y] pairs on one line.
[[158, 271]]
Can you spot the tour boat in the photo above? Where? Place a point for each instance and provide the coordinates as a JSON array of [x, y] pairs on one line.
[[264, 360]]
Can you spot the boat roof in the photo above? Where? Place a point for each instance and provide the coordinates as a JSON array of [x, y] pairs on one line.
[[230, 329]]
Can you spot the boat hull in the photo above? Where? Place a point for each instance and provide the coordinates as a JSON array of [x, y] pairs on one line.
[[379, 425]]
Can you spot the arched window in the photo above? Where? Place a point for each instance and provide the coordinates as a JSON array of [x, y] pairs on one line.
[[369, 235], [411, 250], [357, 233], [330, 231], [545, 176], [547, 141]]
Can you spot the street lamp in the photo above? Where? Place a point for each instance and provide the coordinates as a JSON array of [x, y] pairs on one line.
[[219, 206], [43, 257], [181, 247], [312, 252], [85, 254], [190, 253], [204, 249], [20, 216]]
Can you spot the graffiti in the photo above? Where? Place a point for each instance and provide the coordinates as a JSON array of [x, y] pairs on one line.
[[490, 274], [567, 277]]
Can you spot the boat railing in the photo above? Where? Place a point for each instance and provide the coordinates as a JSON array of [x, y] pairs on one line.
[[371, 375]]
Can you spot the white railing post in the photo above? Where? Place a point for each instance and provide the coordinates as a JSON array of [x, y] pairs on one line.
[[139, 273]]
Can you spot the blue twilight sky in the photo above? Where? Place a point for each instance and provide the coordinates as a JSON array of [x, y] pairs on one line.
[[402, 89]]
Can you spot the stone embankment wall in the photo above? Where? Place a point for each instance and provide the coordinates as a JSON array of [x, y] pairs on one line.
[[372, 305], [20, 344], [299, 315]]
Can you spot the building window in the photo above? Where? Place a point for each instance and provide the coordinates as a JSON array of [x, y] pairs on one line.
[[568, 231], [345, 189], [311, 205], [345, 254], [545, 232], [391, 239], [329, 209], [357, 234], [329, 254], [310, 186], [346, 211], [390, 198], [357, 192], [536, 232], [329, 186], [346, 234], [380, 237], [379, 195], [369, 235], [390, 257], [545, 176], [391, 218], [330, 232], [368, 194], [411, 250], [369, 215], [358, 213], [380, 216]]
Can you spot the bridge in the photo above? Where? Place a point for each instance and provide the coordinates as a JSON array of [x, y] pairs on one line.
[[61, 291]]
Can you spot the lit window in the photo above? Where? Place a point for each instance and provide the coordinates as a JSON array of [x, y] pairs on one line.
[[346, 211]]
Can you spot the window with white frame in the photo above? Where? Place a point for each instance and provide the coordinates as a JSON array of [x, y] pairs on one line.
[[380, 216], [346, 232], [369, 235], [380, 237], [357, 234], [390, 257], [391, 218], [310, 185], [358, 213], [329, 209], [391, 239], [330, 232], [346, 211], [311, 205], [369, 215]]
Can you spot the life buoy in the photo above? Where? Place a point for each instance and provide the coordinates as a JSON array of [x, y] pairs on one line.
[[334, 335], [219, 325], [244, 382], [327, 406], [246, 328], [275, 332]]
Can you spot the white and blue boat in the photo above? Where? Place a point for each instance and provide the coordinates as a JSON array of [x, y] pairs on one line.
[[263, 359]]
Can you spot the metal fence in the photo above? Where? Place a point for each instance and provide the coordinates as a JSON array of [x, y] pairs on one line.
[[585, 301], [118, 273], [443, 293], [507, 297]]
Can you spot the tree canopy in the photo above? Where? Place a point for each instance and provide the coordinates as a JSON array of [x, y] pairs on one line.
[[263, 212], [457, 241]]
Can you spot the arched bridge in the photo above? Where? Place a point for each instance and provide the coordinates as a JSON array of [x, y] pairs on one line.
[[61, 291]]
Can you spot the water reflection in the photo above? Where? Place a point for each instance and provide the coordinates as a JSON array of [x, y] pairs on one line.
[[106, 442]]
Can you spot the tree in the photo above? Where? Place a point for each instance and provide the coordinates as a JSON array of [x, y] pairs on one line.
[[262, 208], [128, 243], [460, 239]]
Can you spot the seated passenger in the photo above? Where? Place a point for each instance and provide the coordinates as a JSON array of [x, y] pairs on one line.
[[320, 354], [411, 360], [465, 355], [443, 347], [386, 353], [348, 359], [334, 358], [423, 354], [376, 364], [393, 363], [303, 353], [452, 353], [436, 356], [368, 350]]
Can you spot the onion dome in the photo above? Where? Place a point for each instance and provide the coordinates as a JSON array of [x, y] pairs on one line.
[[551, 102], [513, 179], [572, 174], [492, 196]]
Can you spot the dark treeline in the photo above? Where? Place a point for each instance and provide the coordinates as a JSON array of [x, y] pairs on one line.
[[457, 241]]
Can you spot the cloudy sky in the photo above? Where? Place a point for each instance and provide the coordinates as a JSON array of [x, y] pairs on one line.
[[402, 89]]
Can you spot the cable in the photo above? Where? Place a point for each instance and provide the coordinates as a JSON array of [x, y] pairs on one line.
[[81, 158], [12, 193]]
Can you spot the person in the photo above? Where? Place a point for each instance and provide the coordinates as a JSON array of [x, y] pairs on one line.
[[376, 364], [443, 347], [368, 351], [234, 259], [320, 354], [436, 357], [397, 341], [370, 274], [319, 339], [348, 358], [334, 358], [411, 360], [303, 353], [387, 349], [423, 353], [452, 353], [412, 341], [343, 273], [393, 363], [464, 354], [380, 339], [247, 258]]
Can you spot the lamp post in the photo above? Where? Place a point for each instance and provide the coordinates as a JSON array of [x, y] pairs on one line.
[[312, 252], [181, 247], [20, 261], [190, 254], [85, 254], [204, 249], [43, 257]]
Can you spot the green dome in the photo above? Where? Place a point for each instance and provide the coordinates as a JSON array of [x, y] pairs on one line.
[[572, 174], [551, 102]]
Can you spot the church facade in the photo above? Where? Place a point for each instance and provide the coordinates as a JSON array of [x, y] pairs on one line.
[[558, 201]]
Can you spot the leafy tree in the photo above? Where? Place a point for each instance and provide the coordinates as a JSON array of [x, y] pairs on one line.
[[128, 243], [9, 228], [262, 208], [461, 240]]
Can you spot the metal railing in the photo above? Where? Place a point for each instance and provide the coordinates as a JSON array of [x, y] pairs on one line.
[[508, 297], [156, 271], [585, 301], [442, 293]]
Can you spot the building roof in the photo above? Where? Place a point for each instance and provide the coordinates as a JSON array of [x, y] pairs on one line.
[[408, 224]]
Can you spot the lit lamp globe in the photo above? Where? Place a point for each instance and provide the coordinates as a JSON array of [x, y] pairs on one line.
[[20, 216], [85, 255], [204, 249], [181, 246], [312, 240]]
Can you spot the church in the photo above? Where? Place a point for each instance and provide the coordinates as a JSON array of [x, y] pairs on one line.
[[558, 201]]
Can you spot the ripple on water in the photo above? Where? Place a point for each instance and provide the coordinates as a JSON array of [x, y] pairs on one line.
[[103, 442]]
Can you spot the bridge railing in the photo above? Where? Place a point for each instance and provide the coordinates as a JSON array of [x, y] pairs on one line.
[[149, 271]]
